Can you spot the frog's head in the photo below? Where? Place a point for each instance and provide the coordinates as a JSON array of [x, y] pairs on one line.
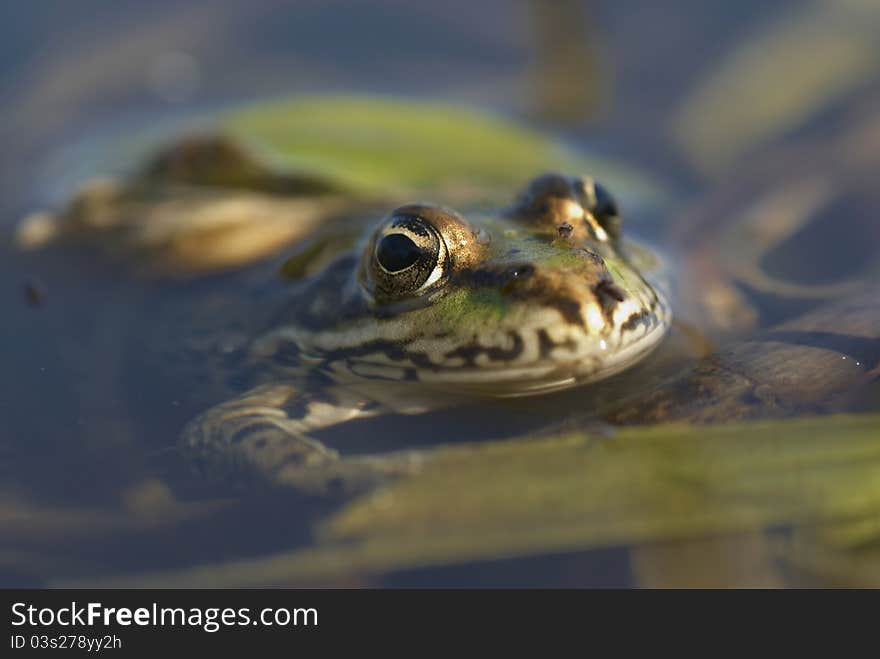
[[537, 298]]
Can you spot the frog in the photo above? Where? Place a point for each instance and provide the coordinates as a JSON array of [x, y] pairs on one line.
[[432, 307], [378, 302], [427, 309], [334, 336], [383, 305]]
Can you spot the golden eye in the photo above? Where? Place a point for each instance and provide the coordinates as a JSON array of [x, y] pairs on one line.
[[406, 257], [415, 250]]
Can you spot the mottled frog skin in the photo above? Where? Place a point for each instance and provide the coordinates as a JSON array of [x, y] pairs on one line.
[[431, 308]]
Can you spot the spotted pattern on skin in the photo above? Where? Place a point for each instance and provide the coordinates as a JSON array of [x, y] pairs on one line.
[[519, 358]]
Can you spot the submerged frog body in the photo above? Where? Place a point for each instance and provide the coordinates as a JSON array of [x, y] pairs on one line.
[[432, 307]]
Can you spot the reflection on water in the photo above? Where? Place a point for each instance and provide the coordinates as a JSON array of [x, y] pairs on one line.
[[770, 212]]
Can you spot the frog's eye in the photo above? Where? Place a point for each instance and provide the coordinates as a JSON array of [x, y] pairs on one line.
[[561, 203], [603, 208], [407, 256], [415, 250]]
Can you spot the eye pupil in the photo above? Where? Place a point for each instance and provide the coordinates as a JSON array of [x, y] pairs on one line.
[[396, 252]]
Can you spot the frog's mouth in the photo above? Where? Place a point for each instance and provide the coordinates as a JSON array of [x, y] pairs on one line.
[[556, 367], [543, 353]]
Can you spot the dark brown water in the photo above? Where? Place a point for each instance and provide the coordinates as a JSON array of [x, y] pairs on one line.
[[91, 488]]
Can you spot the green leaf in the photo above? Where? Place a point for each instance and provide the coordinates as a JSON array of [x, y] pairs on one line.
[[639, 485], [378, 144], [534, 496]]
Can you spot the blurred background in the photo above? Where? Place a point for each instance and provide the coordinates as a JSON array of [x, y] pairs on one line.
[[698, 96], [686, 89], [637, 78]]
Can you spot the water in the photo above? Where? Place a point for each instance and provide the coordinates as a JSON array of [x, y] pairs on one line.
[[92, 489]]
